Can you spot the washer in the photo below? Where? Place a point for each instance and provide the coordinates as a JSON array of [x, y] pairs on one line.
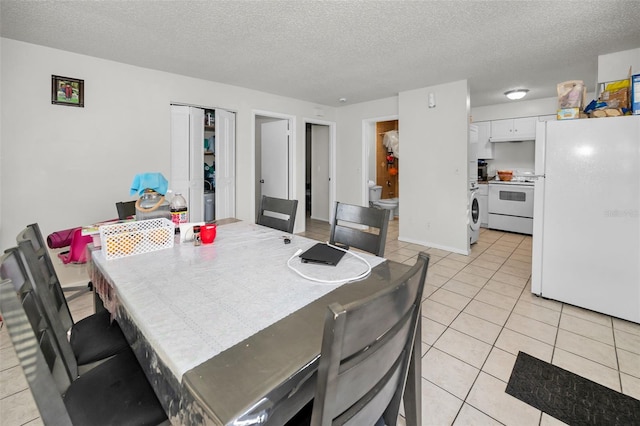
[[474, 213]]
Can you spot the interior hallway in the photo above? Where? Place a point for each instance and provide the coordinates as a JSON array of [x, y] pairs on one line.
[[477, 314]]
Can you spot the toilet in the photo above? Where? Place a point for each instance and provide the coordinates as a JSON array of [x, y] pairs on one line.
[[391, 204]]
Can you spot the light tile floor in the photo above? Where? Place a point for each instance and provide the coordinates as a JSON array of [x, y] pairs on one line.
[[478, 313]]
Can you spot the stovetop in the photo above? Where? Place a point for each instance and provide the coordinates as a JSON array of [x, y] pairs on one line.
[[514, 181]]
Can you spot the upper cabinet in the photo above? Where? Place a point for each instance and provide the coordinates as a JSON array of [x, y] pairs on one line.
[[514, 129], [485, 148]]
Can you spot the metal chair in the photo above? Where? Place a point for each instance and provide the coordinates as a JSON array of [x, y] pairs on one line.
[[366, 350], [114, 393], [126, 209], [278, 213], [352, 236], [40, 246], [12, 268], [93, 338]]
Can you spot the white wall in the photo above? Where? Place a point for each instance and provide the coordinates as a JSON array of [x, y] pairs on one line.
[[434, 183], [516, 109], [615, 66], [351, 162], [512, 156], [64, 166]]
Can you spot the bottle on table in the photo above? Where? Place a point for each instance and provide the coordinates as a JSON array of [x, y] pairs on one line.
[[179, 211], [196, 235]]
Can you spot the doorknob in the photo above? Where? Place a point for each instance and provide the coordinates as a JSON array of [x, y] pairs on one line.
[[261, 180]]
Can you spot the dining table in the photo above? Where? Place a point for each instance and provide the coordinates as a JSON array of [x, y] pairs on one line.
[[229, 333]]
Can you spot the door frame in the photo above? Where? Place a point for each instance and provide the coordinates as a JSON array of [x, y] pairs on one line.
[[332, 164], [293, 189], [369, 135]]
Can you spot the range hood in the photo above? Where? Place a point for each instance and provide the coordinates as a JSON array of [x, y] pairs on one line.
[[511, 139]]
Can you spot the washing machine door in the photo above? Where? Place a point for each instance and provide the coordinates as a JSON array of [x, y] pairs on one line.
[[474, 211]]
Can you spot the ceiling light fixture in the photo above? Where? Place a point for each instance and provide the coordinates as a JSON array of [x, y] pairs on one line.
[[516, 93], [342, 100]]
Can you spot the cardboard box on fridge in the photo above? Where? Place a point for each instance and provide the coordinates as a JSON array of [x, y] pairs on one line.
[[568, 113], [616, 98], [635, 94], [616, 94]]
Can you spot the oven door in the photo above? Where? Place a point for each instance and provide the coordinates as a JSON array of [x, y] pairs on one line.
[[511, 200]]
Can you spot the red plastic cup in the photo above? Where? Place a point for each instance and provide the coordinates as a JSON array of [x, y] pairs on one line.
[[208, 233]]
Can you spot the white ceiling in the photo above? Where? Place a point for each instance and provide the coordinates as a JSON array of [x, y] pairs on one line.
[[320, 51]]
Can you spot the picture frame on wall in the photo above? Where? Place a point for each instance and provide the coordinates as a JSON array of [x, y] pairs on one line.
[[67, 91]]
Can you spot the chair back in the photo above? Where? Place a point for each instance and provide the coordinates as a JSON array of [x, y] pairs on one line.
[[366, 349], [126, 209], [278, 213], [44, 275], [37, 352], [344, 229], [41, 312]]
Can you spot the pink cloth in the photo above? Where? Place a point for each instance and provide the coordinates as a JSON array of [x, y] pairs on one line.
[[78, 251], [60, 239]]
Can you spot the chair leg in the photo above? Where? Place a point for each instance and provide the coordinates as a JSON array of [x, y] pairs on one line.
[[77, 290]]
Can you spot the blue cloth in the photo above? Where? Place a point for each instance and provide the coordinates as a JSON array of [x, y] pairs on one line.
[[154, 181]]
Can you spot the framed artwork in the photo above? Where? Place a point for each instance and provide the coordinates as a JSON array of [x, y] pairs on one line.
[[67, 91]]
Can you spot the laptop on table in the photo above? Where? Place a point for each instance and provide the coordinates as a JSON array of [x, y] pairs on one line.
[[322, 254]]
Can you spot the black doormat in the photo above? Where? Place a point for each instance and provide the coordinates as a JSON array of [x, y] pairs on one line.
[[569, 397]]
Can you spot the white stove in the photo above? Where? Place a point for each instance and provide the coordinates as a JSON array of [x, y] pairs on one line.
[[511, 205]]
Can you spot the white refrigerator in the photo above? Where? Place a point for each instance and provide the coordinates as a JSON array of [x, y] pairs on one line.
[[586, 221]]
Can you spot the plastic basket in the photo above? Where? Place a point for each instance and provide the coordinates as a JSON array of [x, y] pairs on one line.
[[137, 237]]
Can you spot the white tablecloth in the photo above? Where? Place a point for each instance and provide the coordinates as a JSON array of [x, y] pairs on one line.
[[192, 303]]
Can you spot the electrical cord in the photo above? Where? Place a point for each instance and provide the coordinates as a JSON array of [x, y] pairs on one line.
[[340, 281]]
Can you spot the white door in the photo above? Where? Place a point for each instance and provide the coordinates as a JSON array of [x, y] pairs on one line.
[[179, 179], [187, 153], [274, 143], [320, 172], [225, 164]]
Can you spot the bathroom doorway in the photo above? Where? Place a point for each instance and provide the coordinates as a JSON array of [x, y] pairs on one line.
[[387, 163], [381, 166]]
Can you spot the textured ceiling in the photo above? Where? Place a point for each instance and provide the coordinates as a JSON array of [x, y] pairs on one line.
[[320, 51]]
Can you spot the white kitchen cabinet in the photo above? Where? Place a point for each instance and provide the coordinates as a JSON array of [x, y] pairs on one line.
[[483, 204], [514, 129], [485, 148]]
